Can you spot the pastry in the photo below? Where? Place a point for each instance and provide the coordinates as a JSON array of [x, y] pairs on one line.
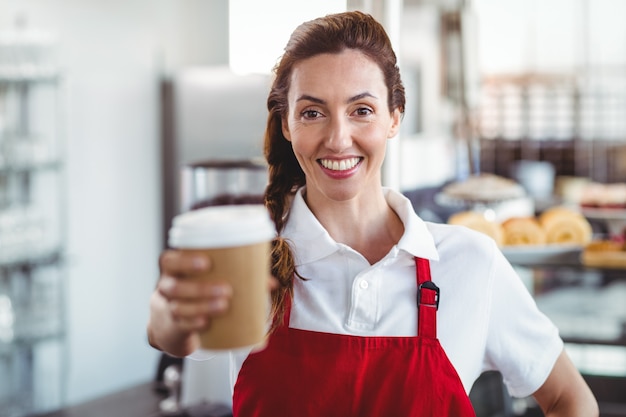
[[523, 231], [565, 226], [598, 195], [484, 187], [605, 254], [477, 221], [605, 246]]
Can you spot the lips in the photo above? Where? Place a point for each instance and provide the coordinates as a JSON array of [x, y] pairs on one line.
[[340, 165]]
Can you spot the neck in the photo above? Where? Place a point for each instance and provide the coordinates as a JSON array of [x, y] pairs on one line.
[[368, 225]]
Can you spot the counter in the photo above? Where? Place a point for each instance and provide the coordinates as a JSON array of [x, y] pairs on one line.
[[143, 401], [139, 401]]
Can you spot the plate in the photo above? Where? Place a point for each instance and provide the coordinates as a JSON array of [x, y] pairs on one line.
[[615, 219], [446, 200], [604, 213], [543, 254]]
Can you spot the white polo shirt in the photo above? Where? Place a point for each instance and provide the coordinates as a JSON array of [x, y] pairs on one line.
[[487, 320]]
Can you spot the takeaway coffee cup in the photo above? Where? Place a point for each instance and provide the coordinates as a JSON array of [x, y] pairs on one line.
[[237, 240]]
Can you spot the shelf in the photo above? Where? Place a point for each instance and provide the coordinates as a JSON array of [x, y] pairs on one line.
[[6, 169], [37, 257], [571, 261], [32, 239], [610, 393], [22, 342], [616, 335], [544, 255], [594, 341], [30, 77]]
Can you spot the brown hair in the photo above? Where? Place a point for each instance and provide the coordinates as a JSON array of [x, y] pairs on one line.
[[330, 34]]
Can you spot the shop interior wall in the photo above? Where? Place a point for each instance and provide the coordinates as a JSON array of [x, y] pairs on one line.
[[112, 54]]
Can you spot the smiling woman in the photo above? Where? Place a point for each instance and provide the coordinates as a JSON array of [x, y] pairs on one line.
[[375, 312], [338, 124]]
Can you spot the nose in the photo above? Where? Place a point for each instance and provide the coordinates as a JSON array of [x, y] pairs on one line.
[[338, 135]]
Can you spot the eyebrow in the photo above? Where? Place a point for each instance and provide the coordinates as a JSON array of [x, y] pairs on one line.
[[350, 100]]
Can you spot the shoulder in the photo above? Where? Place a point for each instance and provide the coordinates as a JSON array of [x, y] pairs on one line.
[[468, 260], [453, 238]]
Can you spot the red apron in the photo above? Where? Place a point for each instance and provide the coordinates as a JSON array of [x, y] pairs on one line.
[[304, 373]]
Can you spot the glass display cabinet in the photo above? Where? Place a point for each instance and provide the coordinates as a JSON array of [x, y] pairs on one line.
[[31, 231]]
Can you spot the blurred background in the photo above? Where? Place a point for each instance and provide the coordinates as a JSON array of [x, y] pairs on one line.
[[104, 104]]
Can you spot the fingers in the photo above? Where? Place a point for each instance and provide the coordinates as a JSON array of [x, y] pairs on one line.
[[193, 316], [193, 303], [181, 263], [273, 284], [172, 288]]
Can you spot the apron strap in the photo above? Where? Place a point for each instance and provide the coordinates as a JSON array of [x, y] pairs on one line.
[[427, 300]]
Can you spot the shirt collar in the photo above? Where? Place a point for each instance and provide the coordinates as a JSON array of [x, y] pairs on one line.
[[417, 239], [304, 232]]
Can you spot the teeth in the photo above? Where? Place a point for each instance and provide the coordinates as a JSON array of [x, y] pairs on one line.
[[342, 165]]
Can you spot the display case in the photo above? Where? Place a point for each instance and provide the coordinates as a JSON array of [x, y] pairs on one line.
[[32, 232], [588, 305]]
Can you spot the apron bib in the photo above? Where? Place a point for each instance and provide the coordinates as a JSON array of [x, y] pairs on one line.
[[305, 373]]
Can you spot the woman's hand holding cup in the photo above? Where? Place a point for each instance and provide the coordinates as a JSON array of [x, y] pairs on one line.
[[215, 283], [180, 306], [192, 303]]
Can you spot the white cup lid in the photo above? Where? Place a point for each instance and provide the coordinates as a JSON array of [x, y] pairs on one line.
[[221, 227]]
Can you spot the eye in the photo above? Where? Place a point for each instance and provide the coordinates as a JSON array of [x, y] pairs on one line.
[[363, 111], [311, 114]]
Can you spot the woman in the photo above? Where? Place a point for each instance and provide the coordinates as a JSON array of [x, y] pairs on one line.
[[349, 337]]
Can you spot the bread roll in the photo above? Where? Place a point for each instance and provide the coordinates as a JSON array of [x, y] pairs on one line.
[[565, 226], [523, 231], [477, 221], [605, 254], [605, 246]]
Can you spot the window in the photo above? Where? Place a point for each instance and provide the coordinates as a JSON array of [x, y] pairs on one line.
[[259, 30]]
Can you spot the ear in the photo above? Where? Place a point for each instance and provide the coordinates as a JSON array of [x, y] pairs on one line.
[[285, 129], [394, 127]]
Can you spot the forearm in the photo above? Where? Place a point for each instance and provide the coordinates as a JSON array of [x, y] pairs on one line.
[[164, 334], [581, 407]]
